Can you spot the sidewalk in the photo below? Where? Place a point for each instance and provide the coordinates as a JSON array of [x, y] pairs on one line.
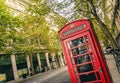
[[113, 69], [41, 76]]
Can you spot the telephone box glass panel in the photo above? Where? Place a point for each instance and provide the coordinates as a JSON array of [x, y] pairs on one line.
[[82, 59]]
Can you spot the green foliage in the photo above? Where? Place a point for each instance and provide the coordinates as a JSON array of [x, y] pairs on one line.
[[100, 34], [8, 25], [33, 30], [38, 7], [37, 29], [54, 43], [6, 18], [58, 20]]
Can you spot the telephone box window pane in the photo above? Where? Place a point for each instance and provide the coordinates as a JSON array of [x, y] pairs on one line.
[[82, 59], [88, 77], [75, 51], [82, 49], [77, 42], [79, 50], [98, 75], [85, 68]]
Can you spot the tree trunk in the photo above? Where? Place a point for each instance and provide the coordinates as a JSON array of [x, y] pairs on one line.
[[39, 62], [108, 34], [60, 59], [114, 14], [47, 60], [14, 67], [28, 64]]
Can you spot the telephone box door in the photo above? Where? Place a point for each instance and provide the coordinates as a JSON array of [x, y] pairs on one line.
[[86, 67]]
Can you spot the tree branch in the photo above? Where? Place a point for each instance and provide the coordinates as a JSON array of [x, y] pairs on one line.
[[114, 13], [103, 26]]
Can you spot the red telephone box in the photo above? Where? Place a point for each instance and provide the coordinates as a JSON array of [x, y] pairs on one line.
[[85, 61]]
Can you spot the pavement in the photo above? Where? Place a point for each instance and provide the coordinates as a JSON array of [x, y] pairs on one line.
[[113, 69], [61, 75]]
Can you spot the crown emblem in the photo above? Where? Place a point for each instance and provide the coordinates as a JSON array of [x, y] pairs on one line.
[[72, 25]]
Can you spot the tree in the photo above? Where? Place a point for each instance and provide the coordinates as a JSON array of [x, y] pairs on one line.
[[114, 13], [41, 28], [92, 9], [8, 25], [102, 24], [101, 36], [55, 22], [34, 28], [37, 29]]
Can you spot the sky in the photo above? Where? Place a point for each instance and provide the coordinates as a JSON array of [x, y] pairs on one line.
[[65, 11]]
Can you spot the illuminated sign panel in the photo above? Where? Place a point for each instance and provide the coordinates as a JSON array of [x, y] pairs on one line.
[[72, 30]]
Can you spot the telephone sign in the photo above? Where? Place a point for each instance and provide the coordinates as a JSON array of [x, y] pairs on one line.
[[85, 61]]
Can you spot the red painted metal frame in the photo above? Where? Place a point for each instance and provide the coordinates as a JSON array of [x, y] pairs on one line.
[[66, 35]]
